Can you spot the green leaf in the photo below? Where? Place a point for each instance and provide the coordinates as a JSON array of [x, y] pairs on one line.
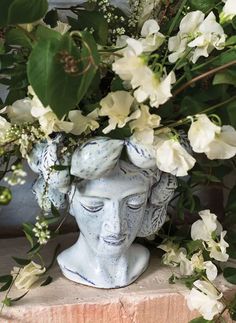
[[7, 301], [231, 41], [45, 33], [27, 228], [91, 20], [233, 22], [200, 320], [19, 38], [226, 77], [231, 110], [51, 18], [59, 167], [230, 274], [62, 90], [55, 211], [89, 48], [40, 66], [231, 202], [5, 278], [231, 250], [21, 261], [7, 284], [193, 246], [21, 11], [47, 281], [203, 5], [35, 249]]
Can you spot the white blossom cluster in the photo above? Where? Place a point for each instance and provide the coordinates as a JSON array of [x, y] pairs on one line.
[[17, 175], [41, 230]]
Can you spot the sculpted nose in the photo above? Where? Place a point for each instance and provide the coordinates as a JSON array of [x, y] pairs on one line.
[[114, 224]]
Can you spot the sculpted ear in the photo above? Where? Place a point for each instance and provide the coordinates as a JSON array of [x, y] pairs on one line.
[[160, 195]]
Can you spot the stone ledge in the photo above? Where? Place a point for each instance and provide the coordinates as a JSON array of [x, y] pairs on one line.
[[149, 300]]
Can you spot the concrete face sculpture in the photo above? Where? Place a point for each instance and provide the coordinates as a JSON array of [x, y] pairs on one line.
[[112, 204]]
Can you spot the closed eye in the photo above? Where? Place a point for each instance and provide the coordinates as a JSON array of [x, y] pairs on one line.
[[135, 206], [92, 208]]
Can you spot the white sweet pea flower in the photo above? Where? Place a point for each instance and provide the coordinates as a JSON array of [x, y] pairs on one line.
[[171, 157], [130, 66], [151, 86], [4, 127], [185, 265], [28, 275], [151, 39], [46, 117], [228, 11], [143, 126], [118, 106], [171, 256], [202, 35], [199, 264], [218, 249], [224, 144], [205, 298], [203, 229], [209, 229], [176, 256], [83, 123], [132, 69], [62, 27], [20, 111], [201, 133]]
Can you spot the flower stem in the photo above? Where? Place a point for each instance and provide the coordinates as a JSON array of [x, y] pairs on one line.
[[172, 26], [202, 76]]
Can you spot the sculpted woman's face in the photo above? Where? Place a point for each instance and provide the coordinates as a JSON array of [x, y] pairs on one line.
[[110, 210]]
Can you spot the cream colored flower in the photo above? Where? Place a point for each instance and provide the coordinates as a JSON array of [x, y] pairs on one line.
[[20, 111], [199, 33], [4, 127], [218, 249], [228, 11], [185, 265], [117, 106], [201, 133], [150, 86], [198, 263], [130, 68], [151, 39], [47, 118], [143, 126], [224, 144], [205, 298], [28, 275], [171, 157], [203, 229], [62, 27], [83, 123], [171, 256], [209, 229]]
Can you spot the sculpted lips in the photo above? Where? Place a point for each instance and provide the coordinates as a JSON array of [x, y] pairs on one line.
[[114, 240]]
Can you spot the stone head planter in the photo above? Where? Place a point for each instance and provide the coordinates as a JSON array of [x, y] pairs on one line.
[[113, 202]]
